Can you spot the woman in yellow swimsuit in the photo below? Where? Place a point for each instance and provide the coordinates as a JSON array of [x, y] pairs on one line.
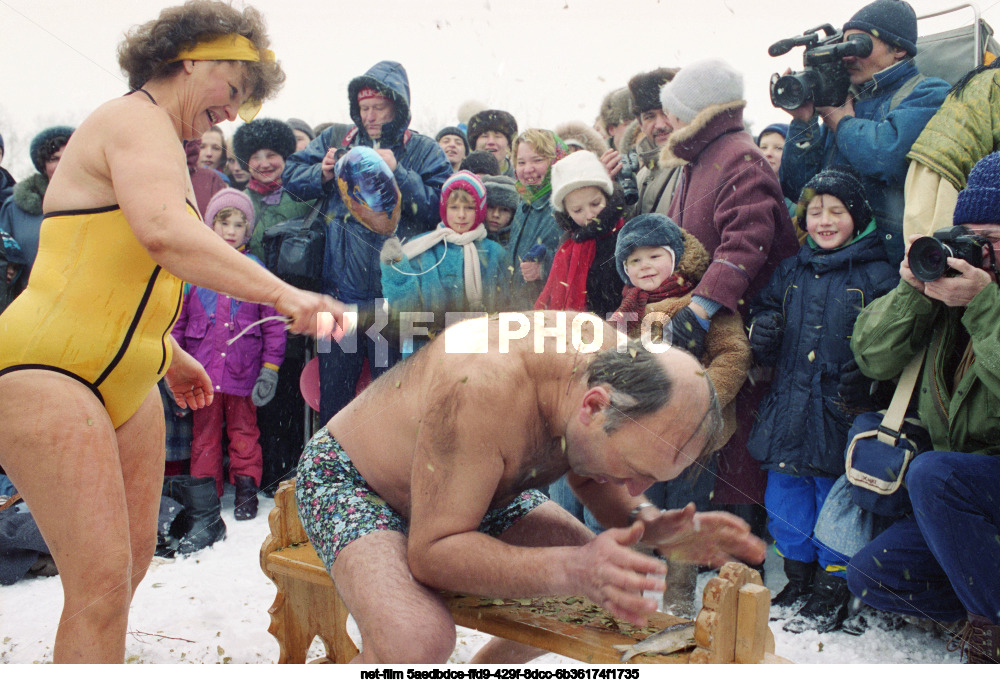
[[82, 349]]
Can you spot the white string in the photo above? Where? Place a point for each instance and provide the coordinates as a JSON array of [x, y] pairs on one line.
[[283, 318], [445, 253]]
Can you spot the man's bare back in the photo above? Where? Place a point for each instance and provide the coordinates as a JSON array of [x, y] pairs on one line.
[[428, 398]]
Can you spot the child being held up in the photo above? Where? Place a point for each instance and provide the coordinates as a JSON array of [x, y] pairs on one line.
[[453, 268], [244, 374], [661, 264], [801, 324]]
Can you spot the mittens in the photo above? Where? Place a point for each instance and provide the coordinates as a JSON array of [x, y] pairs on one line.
[[687, 332], [264, 388]]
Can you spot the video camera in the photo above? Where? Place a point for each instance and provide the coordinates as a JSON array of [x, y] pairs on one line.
[[824, 81]]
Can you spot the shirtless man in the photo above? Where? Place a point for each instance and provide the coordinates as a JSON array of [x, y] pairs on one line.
[[453, 444]]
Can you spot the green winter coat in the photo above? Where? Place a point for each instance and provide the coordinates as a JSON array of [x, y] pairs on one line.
[[533, 224], [266, 216], [964, 130], [896, 326]]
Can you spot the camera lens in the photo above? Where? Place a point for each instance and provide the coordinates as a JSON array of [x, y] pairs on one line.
[[789, 92], [928, 259]]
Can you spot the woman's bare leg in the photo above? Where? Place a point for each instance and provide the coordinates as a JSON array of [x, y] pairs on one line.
[[61, 452]]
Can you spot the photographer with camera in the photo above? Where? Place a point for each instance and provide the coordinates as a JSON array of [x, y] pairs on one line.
[[922, 565], [647, 187], [872, 128]]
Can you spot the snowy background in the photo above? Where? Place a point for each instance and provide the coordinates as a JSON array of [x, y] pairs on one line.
[[211, 607], [546, 61]]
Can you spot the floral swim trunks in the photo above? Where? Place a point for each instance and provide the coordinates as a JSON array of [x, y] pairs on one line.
[[337, 506]]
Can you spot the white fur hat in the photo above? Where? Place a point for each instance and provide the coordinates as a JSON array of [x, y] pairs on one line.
[[580, 169], [699, 86]]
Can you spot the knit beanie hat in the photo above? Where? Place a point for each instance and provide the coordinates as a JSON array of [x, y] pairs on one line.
[[299, 124], [46, 143], [492, 119], [501, 191], [452, 130], [892, 21], [481, 163], [263, 134], [580, 169], [779, 128], [699, 86], [844, 183], [616, 108], [230, 198], [470, 182], [647, 230], [644, 89], [979, 202]]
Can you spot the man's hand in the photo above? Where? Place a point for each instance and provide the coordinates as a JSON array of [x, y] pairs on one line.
[[614, 576], [612, 161], [833, 115], [707, 538], [328, 163], [388, 157], [959, 290]]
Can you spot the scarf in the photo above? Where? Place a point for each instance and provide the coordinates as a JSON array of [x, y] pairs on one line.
[[532, 193], [270, 193], [566, 287], [634, 300], [470, 256]]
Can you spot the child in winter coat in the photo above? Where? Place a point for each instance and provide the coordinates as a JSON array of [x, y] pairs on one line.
[[244, 373], [661, 264], [801, 324], [501, 203], [453, 268], [588, 209]]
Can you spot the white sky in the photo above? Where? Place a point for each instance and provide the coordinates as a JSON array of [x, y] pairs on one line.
[[546, 61]]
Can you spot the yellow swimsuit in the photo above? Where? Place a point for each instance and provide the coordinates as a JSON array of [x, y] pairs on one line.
[[97, 308]]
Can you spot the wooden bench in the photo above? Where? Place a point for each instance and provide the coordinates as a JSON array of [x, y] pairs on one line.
[[308, 605]]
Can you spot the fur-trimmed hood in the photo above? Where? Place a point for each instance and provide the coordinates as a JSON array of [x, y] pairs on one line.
[[581, 134], [28, 194], [711, 122]]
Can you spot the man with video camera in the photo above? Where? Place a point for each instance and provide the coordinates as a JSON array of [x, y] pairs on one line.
[[943, 562], [887, 106]]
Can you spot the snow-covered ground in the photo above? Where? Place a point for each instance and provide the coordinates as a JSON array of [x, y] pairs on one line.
[[212, 608]]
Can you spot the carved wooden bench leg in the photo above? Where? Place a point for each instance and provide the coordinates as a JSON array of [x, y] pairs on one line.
[[302, 611]]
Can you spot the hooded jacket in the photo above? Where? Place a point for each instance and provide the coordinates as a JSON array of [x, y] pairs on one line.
[[801, 426], [729, 198], [208, 320], [351, 269], [875, 142], [21, 216]]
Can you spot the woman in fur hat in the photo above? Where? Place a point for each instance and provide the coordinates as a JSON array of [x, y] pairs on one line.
[[262, 147], [729, 198], [21, 217]]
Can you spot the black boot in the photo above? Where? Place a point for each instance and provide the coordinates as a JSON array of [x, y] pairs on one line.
[[979, 641], [861, 618], [246, 497], [793, 596], [825, 609], [203, 510]]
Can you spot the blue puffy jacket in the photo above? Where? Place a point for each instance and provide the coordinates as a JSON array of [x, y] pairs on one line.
[[351, 268], [801, 426], [875, 142]]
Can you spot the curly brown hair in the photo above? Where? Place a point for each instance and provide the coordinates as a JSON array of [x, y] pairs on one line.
[[148, 50]]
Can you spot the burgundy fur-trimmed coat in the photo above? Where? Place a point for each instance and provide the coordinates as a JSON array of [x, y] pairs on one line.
[[730, 199]]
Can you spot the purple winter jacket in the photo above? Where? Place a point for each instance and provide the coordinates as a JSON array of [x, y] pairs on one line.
[[208, 320]]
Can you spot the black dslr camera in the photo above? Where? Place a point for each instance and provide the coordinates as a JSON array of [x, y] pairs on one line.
[[626, 177], [929, 255], [824, 81]]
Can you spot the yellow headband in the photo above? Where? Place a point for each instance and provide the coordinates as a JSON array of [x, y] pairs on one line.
[[230, 47]]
